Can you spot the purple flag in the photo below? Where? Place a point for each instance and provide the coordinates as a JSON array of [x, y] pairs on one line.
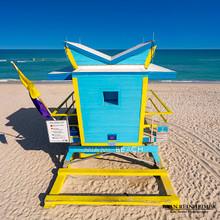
[[41, 108]]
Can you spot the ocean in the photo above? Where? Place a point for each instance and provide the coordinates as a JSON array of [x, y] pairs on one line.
[[190, 65]]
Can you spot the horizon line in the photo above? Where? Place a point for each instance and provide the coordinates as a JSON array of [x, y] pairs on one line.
[[109, 49]]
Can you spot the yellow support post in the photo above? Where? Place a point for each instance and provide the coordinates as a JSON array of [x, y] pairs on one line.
[[149, 57], [78, 110], [143, 106], [112, 172], [55, 198], [70, 57]]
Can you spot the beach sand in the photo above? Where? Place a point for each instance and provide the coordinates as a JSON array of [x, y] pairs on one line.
[[28, 162]]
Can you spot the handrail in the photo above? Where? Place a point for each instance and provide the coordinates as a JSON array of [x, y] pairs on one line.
[[60, 106], [158, 111], [63, 114], [149, 125], [168, 110], [68, 109]]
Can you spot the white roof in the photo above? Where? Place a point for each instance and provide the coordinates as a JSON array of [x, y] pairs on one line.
[[83, 47], [121, 68], [97, 55], [155, 71]]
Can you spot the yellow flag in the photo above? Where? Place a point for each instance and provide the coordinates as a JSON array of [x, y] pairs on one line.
[[149, 57], [34, 93], [71, 58]]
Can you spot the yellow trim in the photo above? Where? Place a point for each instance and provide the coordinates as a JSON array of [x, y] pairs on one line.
[[83, 155], [167, 185], [79, 116], [149, 57], [143, 106], [159, 113], [70, 57], [57, 186], [168, 110], [55, 114], [149, 125], [55, 198], [78, 110], [161, 161], [112, 172]]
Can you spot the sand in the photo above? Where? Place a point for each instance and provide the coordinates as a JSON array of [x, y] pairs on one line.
[[28, 161]]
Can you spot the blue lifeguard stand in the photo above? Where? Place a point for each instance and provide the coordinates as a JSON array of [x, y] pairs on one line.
[[109, 116]]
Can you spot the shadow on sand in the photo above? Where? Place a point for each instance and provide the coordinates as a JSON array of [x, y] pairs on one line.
[[33, 135]]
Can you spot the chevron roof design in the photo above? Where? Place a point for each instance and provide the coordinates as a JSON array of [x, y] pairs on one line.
[[104, 58]]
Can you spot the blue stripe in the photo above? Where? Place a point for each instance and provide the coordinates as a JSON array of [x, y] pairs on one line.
[[113, 149]]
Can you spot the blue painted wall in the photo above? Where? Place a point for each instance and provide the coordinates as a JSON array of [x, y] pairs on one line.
[[134, 59], [84, 60], [100, 118]]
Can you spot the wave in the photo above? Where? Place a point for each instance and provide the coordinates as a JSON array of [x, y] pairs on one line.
[[3, 60], [32, 60], [209, 60], [9, 80], [23, 61]]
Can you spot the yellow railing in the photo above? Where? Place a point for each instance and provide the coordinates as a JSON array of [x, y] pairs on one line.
[[161, 113], [55, 113]]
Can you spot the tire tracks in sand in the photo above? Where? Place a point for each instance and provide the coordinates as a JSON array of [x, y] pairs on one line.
[[183, 147]]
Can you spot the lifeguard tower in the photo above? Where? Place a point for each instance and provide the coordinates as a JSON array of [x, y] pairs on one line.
[[108, 114]]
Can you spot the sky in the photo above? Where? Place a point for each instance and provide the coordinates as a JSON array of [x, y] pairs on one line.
[[105, 24]]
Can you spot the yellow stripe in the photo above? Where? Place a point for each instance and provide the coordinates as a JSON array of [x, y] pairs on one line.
[[143, 106], [57, 186], [55, 114], [112, 172], [149, 57], [71, 58], [168, 110], [71, 199], [78, 110], [150, 126], [53, 200], [167, 185]]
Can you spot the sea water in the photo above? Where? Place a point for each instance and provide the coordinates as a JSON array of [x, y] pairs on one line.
[[190, 65]]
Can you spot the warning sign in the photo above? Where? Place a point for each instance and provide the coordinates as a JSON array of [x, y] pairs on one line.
[[58, 131], [162, 132]]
